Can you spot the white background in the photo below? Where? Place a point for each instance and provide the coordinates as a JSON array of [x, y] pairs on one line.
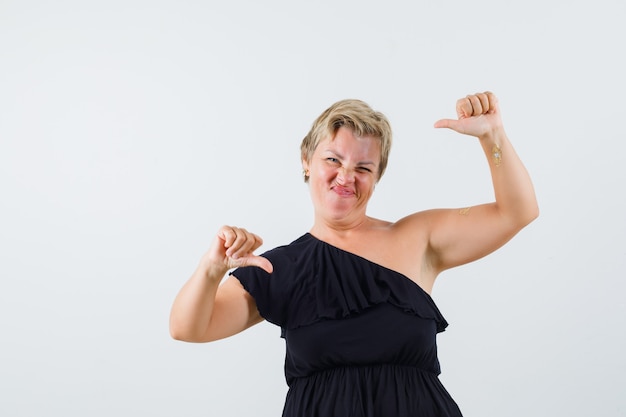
[[131, 130]]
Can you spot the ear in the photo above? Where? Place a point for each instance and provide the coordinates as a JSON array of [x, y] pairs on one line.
[[305, 165]]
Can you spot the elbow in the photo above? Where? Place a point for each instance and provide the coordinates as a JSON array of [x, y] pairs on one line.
[[187, 334], [185, 337], [181, 333], [521, 217], [177, 334], [529, 215], [533, 213]]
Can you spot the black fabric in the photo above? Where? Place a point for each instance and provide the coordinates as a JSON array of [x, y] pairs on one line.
[[360, 338]]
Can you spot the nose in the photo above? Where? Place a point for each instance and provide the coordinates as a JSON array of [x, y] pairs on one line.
[[345, 176]]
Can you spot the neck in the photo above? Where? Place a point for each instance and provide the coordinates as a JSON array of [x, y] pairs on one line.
[[330, 230]]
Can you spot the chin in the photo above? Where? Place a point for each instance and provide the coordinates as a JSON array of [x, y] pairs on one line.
[[341, 211]]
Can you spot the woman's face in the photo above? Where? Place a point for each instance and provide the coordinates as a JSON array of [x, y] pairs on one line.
[[342, 175]]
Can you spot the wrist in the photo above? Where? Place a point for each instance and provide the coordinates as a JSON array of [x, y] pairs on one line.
[[493, 144], [210, 271], [496, 136]]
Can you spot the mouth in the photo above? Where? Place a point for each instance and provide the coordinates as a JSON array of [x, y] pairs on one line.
[[342, 191]]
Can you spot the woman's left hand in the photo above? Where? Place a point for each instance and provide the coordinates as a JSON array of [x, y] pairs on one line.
[[478, 115]]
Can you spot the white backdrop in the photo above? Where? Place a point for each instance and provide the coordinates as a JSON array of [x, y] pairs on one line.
[[131, 130]]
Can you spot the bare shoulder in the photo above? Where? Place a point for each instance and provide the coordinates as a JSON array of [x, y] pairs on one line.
[[420, 222], [403, 247]]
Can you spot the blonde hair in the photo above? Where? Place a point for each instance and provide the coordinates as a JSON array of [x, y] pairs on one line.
[[359, 117]]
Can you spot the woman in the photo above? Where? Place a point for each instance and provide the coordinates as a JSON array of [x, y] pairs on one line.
[[352, 295]]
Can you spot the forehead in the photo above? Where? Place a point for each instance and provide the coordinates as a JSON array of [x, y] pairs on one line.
[[347, 144]]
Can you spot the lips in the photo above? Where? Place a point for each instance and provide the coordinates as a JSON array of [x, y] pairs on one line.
[[343, 191]]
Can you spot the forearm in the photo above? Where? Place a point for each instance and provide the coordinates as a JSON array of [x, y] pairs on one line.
[[514, 192], [193, 307]]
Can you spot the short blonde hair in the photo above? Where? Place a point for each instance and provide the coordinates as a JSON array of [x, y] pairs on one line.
[[355, 115]]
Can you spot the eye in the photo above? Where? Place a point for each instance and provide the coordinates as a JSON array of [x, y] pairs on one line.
[[333, 160], [364, 169]]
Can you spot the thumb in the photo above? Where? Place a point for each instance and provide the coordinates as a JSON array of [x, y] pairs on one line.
[[446, 123], [260, 262]]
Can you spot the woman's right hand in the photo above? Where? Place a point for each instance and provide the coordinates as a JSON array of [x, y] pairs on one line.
[[234, 247], [206, 309]]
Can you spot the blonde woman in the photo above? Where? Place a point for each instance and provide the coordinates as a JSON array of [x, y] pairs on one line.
[[352, 295]]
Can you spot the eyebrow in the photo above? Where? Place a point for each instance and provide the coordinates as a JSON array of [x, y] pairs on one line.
[[341, 157]]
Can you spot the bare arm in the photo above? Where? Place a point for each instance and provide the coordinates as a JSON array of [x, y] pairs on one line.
[[460, 236], [204, 310]]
